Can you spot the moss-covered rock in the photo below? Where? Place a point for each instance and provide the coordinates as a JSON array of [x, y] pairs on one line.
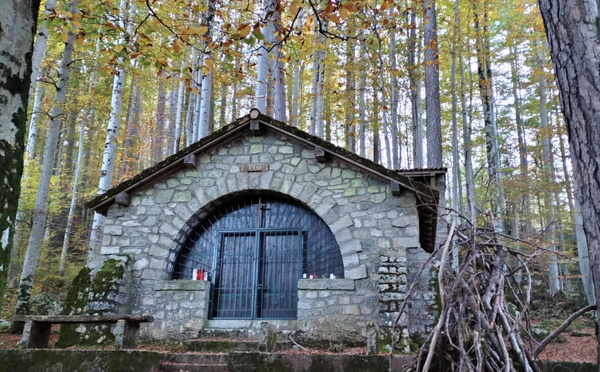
[[103, 299], [75, 303]]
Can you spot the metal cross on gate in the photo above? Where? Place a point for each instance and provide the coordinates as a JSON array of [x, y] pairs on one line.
[[262, 207]]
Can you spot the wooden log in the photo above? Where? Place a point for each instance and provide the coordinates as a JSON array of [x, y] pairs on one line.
[[83, 319]]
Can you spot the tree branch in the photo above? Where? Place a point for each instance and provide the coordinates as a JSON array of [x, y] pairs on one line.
[[562, 327]]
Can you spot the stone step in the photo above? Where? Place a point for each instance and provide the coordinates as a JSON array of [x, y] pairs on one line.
[[196, 358], [225, 346], [190, 367]]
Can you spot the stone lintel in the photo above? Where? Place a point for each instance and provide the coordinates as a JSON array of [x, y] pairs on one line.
[[182, 285], [320, 154], [123, 198], [331, 284], [189, 161], [395, 187]]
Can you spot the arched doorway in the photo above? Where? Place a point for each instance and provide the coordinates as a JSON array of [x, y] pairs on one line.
[[254, 247]]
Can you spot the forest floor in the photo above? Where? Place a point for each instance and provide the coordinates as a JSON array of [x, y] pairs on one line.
[[576, 344]]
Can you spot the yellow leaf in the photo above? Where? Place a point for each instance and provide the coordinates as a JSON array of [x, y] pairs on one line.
[[205, 70], [118, 48], [384, 6], [69, 15], [244, 31], [76, 23], [202, 30], [80, 39], [293, 9], [209, 63], [176, 48], [163, 62], [343, 13]]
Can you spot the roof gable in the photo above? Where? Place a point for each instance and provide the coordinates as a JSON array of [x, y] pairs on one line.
[[426, 195]]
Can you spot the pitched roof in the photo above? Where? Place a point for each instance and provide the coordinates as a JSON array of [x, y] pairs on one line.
[[427, 196]]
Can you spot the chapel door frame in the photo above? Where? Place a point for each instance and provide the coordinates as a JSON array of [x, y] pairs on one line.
[[257, 235]]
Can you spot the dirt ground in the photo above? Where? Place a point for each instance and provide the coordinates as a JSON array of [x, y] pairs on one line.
[[573, 345]]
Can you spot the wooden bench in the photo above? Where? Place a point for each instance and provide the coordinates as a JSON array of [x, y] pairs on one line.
[[36, 333]]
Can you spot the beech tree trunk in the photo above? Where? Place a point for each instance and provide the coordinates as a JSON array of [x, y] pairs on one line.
[[362, 108], [17, 27], [41, 198], [415, 93], [432, 86], [572, 28], [35, 117], [110, 144]]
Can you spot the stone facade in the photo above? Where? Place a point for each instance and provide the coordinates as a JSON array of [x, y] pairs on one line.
[[373, 228]]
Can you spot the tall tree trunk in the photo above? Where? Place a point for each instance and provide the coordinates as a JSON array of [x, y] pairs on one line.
[[171, 120], [432, 86], [41, 197], [322, 54], [234, 100], [467, 129], [36, 112], [110, 144], [87, 118], [69, 225], [223, 104], [415, 93], [276, 75], [394, 103], [375, 128], [548, 162], [362, 108], [127, 146], [205, 106], [315, 83], [455, 156], [40, 44], [484, 70], [572, 29], [15, 58], [189, 118], [350, 130], [521, 140], [180, 105], [296, 77], [159, 133]]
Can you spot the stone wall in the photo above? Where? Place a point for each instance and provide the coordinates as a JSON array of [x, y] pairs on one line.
[[181, 307], [336, 309], [365, 218]]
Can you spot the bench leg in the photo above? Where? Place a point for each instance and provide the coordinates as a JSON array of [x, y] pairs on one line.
[[36, 335], [126, 334]]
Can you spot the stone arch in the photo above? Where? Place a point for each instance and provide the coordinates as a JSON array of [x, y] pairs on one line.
[[322, 207]]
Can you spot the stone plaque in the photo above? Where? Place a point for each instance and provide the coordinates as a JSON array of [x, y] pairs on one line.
[[254, 167]]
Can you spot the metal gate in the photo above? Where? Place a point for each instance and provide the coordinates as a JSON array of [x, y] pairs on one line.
[[257, 273]]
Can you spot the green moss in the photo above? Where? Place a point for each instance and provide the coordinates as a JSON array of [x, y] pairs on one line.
[[75, 303], [11, 170], [79, 360], [103, 291]]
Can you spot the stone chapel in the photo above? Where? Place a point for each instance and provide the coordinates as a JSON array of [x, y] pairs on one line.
[[261, 221]]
